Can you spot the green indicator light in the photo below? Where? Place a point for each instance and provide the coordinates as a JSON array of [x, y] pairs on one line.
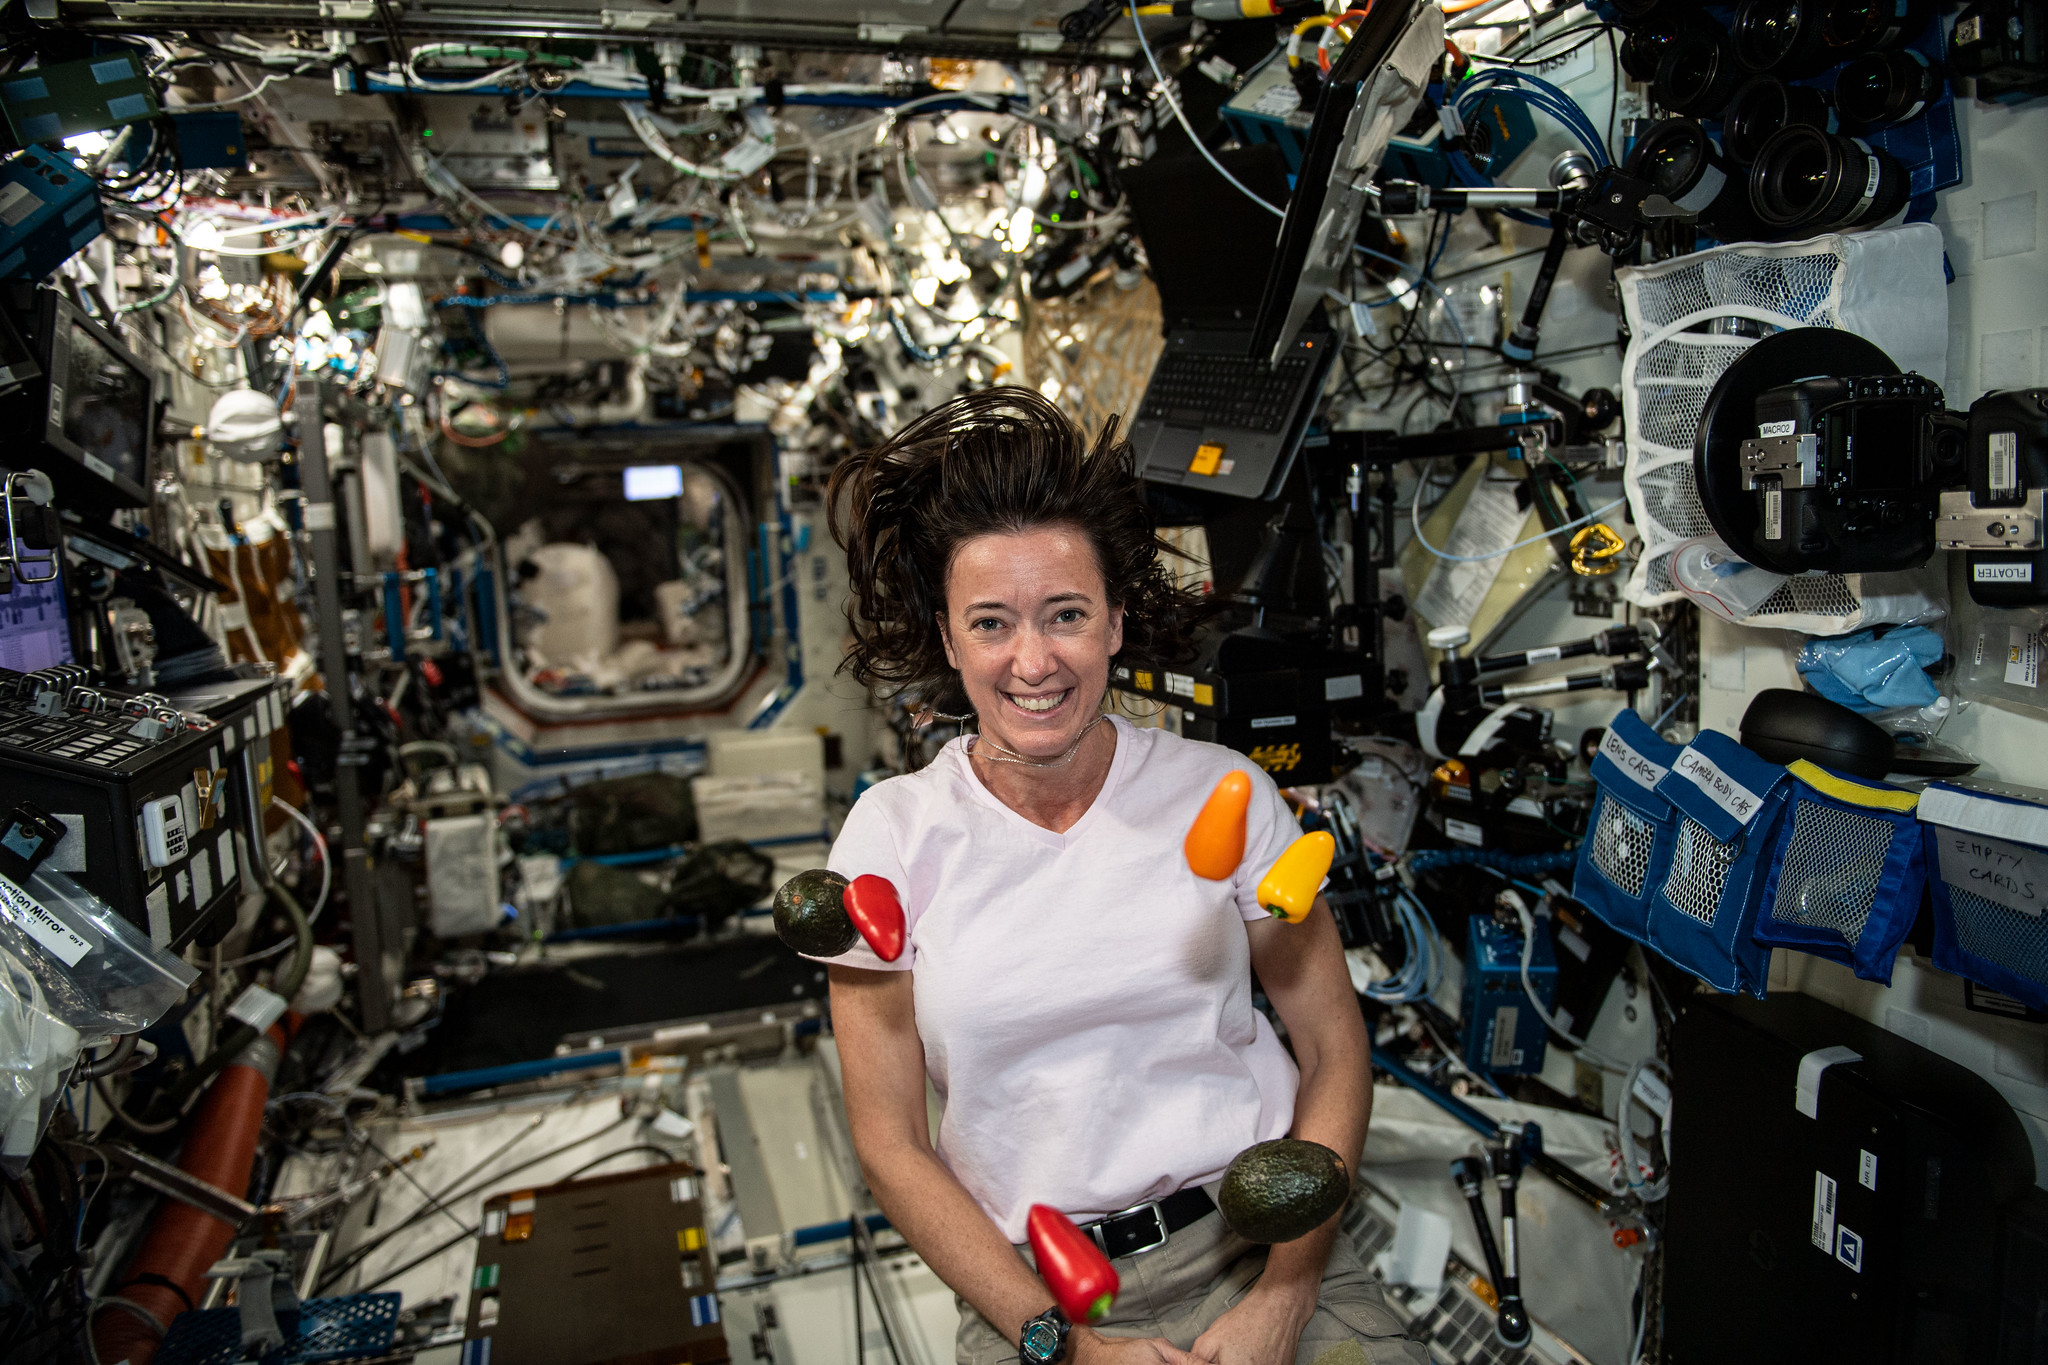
[[426, 132]]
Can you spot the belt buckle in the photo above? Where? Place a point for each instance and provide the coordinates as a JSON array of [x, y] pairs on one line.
[[1158, 1222]]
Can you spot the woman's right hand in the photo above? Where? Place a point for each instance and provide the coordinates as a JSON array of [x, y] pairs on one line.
[[1093, 1348]]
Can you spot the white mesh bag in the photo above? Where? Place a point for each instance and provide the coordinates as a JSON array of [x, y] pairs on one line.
[[1887, 286]]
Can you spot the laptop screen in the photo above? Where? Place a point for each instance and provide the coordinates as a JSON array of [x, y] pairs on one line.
[[1209, 246]]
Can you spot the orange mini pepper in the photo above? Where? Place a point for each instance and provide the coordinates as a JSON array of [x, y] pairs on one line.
[[1288, 890], [1215, 842]]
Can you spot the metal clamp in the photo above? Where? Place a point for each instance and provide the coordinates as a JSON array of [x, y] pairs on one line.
[[35, 486], [1793, 460], [1965, 526]]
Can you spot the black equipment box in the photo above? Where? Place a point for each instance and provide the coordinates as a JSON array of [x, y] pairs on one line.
[[1271, 700], [96, 757], [1837, 1192], [609, 1270]]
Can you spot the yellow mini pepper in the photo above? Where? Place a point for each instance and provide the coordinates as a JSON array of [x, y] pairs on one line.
[[1288, 890]]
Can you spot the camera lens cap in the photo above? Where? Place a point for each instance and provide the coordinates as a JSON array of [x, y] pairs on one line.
[[1782, 725]]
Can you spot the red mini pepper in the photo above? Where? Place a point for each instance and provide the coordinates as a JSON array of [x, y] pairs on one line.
[[875, 909], [1081, 1278]]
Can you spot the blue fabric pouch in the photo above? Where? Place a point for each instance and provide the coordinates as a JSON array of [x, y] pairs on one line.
[[1631, 828], [1728, 803], [1987, 854], [1848, 869]]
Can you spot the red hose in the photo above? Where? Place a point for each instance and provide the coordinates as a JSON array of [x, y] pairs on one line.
[[183, 1244]]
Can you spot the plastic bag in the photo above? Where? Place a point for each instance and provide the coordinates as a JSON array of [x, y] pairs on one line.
[[1999, 654], [1872, 671], [1720, 581], [37, 1053], [99, 974]]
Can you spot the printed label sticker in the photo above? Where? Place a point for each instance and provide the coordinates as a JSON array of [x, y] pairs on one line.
[[1823, 1211], [33, 919], [1849, 1251]]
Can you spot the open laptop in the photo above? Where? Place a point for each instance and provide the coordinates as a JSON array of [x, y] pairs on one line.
[[1211, 417]]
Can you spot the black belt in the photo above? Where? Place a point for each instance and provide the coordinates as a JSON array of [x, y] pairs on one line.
[[1146, 1227]]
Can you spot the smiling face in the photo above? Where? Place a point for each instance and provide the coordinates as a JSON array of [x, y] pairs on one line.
[[1029, 625]]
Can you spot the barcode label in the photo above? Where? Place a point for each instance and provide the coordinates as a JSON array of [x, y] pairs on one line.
[[2004, 471], [1824, 1212]]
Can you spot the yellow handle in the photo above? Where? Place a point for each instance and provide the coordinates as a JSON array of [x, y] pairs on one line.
[[1288, 890]]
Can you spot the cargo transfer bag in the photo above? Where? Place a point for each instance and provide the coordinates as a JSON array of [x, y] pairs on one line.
[[1987, 856], [1728, 803], [1848, 871], [1630, 832]]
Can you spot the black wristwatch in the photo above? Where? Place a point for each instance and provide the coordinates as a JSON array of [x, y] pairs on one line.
[[1045, 1338]]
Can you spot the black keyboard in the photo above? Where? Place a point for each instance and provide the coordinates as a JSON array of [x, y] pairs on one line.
[[1224, 391]]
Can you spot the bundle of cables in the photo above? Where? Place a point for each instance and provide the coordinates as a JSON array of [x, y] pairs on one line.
[[1538, 94], [1422, 968]]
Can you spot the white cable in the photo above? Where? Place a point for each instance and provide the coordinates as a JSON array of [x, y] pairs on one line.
[[650, 136], [1650, 1191], [1173, 103], [319, 902], [1599, 1059], [250, 94], [319, 842]]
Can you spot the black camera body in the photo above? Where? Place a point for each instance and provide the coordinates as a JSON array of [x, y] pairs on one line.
[[1844, 472], [1815, 454], [2000, 520]]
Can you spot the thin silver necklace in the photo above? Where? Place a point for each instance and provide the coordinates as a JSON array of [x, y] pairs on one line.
[[1003, 755]]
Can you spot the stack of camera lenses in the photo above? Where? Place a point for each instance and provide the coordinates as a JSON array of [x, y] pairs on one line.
[[1790, 162]]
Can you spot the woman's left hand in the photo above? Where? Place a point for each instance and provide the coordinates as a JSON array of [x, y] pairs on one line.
[[1263, 1328]]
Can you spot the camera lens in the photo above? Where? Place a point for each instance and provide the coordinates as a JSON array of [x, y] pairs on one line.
[[1853, 27], [1696, 75], [1681, 163], [1781, 38], [1643, 49], [1807, 181], [1881, 88], [1763, 105]]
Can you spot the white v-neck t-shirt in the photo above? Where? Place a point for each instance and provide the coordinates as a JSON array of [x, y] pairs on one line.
[[1084, 1000]]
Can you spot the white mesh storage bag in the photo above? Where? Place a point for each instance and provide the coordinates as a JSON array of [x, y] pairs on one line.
[[1887, 286]]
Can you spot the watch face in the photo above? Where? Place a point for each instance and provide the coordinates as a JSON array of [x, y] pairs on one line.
[[1041, 1341]]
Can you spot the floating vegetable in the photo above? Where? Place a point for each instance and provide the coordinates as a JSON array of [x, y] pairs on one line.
[[1081, 1278], [810, 914], [1288, 890], [1215, 842], [877, 912], [1283, 1189]]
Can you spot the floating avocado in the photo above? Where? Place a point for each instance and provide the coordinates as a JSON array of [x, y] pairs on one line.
[[1283, 1189], [810, 915]]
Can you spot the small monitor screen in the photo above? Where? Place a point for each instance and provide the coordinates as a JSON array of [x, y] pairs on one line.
[[106, 405], [34, 632], [646, 482]]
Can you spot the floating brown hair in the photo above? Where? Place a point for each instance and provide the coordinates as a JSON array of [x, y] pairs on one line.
[[996, 462]]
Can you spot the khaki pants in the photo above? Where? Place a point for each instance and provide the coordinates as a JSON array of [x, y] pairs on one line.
[[1179, 1289]]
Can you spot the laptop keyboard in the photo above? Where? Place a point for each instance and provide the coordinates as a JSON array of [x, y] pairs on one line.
[[1224, 391]]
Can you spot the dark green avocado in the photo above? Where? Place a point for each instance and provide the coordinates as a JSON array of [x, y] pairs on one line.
[[810, 916], [1283, 1189]]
